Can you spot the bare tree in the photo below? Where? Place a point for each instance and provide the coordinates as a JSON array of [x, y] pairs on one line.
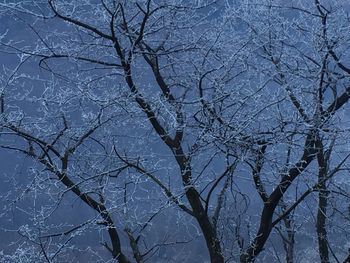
[[173, 122]]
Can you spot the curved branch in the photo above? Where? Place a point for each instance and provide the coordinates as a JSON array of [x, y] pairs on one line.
[[79, 23]]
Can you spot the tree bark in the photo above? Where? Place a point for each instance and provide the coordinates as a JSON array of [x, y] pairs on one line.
[[322, 205]]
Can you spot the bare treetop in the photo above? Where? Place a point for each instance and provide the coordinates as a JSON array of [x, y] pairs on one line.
[[175, 131]]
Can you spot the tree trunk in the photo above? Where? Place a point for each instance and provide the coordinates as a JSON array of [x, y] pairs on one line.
[[322, 205], [206, 226], [321, 225]]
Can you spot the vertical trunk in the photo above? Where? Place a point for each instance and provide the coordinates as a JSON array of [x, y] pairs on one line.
[[321, 225], [322, 204], [289, 243], [321, 217], [199, 212], [206, 226]]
